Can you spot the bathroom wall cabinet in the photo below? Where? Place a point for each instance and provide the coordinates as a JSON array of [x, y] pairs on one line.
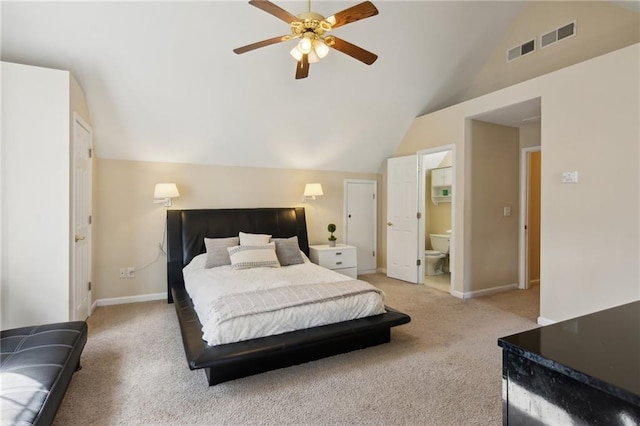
[[441, 179]]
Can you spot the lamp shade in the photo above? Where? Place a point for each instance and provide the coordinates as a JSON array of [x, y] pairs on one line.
[[166, 190], [313, 189]]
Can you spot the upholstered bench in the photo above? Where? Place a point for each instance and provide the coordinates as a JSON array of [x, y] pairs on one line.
[[36, 366]]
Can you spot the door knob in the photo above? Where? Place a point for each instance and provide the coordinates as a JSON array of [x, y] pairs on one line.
[[79, 238], [389, 224]]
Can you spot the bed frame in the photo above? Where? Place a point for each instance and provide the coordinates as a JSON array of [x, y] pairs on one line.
[[186, 230]]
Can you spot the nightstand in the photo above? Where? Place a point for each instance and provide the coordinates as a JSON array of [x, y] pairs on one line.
[[341, 258]]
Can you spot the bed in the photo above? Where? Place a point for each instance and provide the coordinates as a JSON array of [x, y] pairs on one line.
[[186, 230]]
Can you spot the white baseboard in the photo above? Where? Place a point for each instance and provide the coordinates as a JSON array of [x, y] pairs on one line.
[[93, 307], [458, 294], [367, 271], [483, 292], [545, 321], [131, 299]]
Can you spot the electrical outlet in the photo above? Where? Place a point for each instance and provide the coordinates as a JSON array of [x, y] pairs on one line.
[[131, 272], [123, 273]]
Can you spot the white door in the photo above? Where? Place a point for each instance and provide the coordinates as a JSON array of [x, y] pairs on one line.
[[81, 219], [402, 218], [360, 219]]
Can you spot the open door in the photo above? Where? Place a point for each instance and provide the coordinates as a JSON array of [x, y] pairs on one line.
[[81, 285], [402, 218]]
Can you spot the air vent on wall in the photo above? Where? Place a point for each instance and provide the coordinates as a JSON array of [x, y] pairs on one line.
[[558, 34], [523, 49]]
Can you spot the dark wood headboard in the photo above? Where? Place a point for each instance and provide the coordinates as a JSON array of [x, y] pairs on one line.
[[186, 230]]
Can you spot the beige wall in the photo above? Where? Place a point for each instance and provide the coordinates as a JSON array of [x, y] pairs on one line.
[[602, 27], [128, 225], [530, 135], [590, 123], [494, 170]]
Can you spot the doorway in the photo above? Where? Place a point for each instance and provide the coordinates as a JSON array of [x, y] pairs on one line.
[[529, 246], [406, 198], [437, 189]]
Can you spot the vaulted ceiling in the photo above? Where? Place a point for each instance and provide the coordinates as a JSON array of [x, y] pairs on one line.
[[163, 83]]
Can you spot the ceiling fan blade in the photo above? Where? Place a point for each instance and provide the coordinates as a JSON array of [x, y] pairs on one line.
[[302, 69], [354, 51], [274, 10], [262, 43], [353, 14]]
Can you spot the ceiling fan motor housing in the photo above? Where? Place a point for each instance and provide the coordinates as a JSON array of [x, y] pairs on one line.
[[310, 22]]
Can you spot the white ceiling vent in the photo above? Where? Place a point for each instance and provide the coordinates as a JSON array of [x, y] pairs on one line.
[[558, 34], [523, 49]]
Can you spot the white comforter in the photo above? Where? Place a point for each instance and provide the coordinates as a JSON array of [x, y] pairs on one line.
[[206, 285]]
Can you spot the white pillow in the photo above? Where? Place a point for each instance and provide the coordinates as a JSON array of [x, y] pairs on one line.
[[254, 239], [260, 256]]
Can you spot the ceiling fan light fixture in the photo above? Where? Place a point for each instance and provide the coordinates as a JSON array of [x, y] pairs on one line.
[[295, 52], [320, 48], [305, 45], [313, 57]]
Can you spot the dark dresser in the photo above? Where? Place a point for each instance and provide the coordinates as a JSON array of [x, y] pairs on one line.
[[583, 371]]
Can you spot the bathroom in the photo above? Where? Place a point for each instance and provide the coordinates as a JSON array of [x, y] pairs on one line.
[[438, 193]]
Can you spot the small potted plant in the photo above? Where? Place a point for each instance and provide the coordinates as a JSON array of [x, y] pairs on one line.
[[332, 239]]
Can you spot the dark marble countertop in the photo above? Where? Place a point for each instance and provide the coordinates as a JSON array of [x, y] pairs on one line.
[[600, 349]]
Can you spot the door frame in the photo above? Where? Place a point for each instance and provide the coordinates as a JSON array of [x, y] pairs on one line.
[[421, 205], [345, 213], [523, 238]]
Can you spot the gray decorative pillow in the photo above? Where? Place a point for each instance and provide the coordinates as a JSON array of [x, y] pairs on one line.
[[288, 251], [245, 257], [217, 254]]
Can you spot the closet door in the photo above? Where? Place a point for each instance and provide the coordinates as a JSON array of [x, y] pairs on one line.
[[361, 223]]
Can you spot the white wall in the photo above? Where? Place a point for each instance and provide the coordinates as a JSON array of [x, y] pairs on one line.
[[35, 196], [590, 231]]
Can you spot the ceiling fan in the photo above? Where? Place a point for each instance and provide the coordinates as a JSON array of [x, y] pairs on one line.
[[310, 28]]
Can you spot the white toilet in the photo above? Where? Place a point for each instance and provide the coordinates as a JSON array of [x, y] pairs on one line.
[[434, 259]]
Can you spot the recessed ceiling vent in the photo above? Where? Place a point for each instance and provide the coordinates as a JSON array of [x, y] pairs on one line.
[[523, 49], [558, 34]]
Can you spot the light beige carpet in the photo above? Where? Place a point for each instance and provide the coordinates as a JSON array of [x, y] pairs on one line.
[[443, 368]]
